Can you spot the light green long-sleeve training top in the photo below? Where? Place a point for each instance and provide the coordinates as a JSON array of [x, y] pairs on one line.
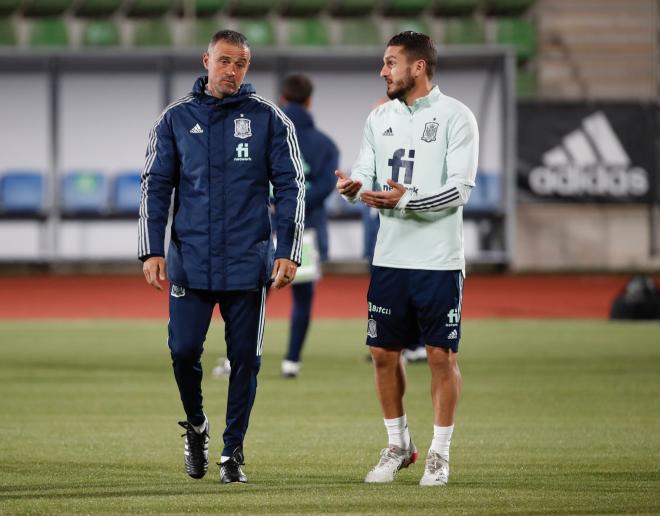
[[431, 148]]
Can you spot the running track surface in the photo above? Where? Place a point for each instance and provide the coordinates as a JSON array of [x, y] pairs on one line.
[[128, 297]]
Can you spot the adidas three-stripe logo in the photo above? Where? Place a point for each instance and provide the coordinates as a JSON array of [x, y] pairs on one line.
[[590, 160], [196, 130], [388, 132]]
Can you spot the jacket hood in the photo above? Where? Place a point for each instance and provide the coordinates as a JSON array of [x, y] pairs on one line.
[[298, 115], [199, 90]]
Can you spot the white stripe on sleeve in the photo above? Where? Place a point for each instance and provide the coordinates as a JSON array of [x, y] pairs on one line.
[[294, 153], [144, 246]]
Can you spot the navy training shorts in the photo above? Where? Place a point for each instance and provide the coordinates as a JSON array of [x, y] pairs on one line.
[[406, 304]]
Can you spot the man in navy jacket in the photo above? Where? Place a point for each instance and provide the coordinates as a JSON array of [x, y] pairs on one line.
[[218, 149], [320, 160]]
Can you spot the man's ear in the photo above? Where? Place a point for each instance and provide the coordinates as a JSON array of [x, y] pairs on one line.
[[205, 60], [420, 67]]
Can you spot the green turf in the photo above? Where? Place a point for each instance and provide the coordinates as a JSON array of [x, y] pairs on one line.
[[556, 417]]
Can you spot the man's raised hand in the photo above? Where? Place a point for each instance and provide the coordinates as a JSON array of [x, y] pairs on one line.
[[384, 199], [346, 186]]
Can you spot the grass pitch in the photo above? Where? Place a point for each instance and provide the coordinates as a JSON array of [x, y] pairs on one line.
[[556, 417]]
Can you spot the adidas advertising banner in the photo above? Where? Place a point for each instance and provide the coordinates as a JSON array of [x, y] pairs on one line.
[[587, 152]]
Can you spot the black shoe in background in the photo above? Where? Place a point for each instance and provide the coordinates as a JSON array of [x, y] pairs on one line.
[[196, 450], [230, 470]]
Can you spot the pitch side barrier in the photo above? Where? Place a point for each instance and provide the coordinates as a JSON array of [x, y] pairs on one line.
[[92, 110]]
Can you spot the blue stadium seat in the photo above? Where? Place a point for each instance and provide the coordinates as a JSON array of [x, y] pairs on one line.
[[126, 193], [84, 193], [487, 193], [22, 192]]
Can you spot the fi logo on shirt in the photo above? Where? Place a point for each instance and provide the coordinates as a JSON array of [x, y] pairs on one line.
[[396, 162], [242, 152]]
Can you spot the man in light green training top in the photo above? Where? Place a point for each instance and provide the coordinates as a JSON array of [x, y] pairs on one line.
[[417, 165]]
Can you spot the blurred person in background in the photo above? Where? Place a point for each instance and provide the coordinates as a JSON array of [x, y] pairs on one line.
[[219, 148], [320, 158], [417, 165]]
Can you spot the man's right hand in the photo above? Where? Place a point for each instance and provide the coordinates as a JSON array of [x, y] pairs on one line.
[[346, 186], [154, 270]]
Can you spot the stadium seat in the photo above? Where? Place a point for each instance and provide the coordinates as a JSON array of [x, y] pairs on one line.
[[353, 7], [84, 193], [455, 7], [414, 24], [487, 193], [259, 32], [307, 32], [101, 33], [204, 29], [301, 7], [251, 8], [145, 8], [507, 7], [519, 33], [22, 192], [525, 83], [359, 32], [405, 7], [7, 7], [126, 193], [204, 8], [7, 33], [151, 33], [46, 7], [97, 8], [49, 32], [463, 31]]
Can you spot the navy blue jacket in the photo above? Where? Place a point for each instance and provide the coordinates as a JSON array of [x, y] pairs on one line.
[[219, 156], [320, 160]]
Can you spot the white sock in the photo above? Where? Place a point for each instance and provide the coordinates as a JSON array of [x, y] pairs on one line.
[[224, 459], [199, 429], [442, 440], [397, 432]]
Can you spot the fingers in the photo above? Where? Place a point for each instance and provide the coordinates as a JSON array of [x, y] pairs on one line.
[[346, 186], [395, 185], [284, 271], [274, 273], [154, 270], [372, 203], [151, 276], [279, 281], [353, 188], [379, 199]]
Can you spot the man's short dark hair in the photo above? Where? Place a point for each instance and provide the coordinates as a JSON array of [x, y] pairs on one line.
[[417, 46], [230, 36], [297, 88]]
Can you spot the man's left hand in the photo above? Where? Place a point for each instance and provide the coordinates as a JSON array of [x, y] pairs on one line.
[[385, 199], [283, 272]]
